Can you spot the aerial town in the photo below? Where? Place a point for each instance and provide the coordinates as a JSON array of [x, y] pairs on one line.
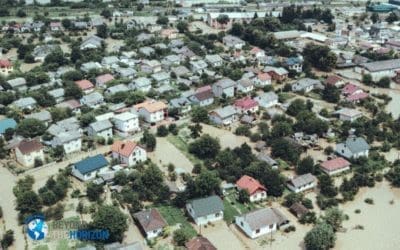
[[199, 125]]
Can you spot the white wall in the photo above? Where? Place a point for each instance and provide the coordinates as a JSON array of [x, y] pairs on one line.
[[28, 160], [239, 221]]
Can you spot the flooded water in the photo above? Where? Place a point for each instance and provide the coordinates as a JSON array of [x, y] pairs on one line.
[[394, 92]]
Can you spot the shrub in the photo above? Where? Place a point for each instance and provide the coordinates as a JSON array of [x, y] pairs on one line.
[[369, 201]]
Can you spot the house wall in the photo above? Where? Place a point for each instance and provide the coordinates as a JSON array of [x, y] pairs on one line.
[[127, 126], [154, 233], [205, 219], [6, 70], [302, 188], [28, 160], [71, 146], [206, 102], [242, 224], [152, 117], [335, 172], [259, 195], [107, 133], [88, 176], [266, 104]]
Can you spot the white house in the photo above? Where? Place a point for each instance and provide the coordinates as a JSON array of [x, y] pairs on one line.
[[379, 69], [150, 222], [28, 151], [262, 79], [128, 152], [101, 128], [261, 222], [126, 122], [353, 147], [203, 96], [205, 210], [267, 100], [224, 116], [152, 111], [253, 187], [90, 167], [302, 183], [142, 84], [306, 85], [245, 85], [225, 87], [70, 140], [348, 114]]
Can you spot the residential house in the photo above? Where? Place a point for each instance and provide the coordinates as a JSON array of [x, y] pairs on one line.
[[6, 67], [89, 168], [115, 89], [224, 116], [246, 105], [150, 222], [161, 78], [57, 94], [152, 111], [171, 60], [128, 152], [294, 63], [182, 104], [348, 114], [306, 85], [181, 71], [262, 79], [6, 124], [335, 166], [55, 26], [245, 85], [198, 66], [267, 100], [253, 187], [43, 116], [102, 80], [92, 100], [90, 66], [110, 61], [225, 87], [40, 52], [263, 156], [18, 83], [147, 51], [150, 66], [101, 128], [29, 151], [257, 52], [71, 141], [25, 103], [379, 69], [203, 96], [200, 243], [233, 42], [205, 210], [261, 222], [298, 209], [85, 85], [214, 60], [126, 122], [72, 104], [126, 72], [91, 42], [233, 17], [302, 183], [142, 84], [80, 25], [277, 74], [353, 147], [169, 33], [335, 81]]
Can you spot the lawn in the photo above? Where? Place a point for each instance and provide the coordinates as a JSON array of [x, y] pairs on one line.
[[183, 147], [175, 216], [229, 211]]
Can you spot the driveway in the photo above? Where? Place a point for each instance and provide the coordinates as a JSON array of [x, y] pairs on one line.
[[222, 237]]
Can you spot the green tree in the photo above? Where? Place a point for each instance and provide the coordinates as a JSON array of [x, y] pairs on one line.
[[182, 26], [8, 239], [205, 147], [181, 236], [367, 79], [384, 82], [375, 17], [285, 150], [223, 19], [305, 166], [321, 237], [149, 140], [320, 57], [112, 219], [296, 107], [243, 196], [392, 17], [30, 128], [162, 20], [73, 91], [195, 130], [331, 93], [200, 114], [106, 13], [334, 217], [162, 131], [94, 191], [327, 187], [102, 31]]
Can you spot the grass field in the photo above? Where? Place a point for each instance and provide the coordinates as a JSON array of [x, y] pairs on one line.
[[183, 147], [175, 216]]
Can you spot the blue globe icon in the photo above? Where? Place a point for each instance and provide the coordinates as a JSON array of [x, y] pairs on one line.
[[37, 229]]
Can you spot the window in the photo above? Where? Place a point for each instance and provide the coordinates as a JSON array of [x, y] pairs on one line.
[[271, 226], [241, 223], [257, 231], [217, 214]]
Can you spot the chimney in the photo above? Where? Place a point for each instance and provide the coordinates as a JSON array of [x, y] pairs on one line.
[[123, 145]]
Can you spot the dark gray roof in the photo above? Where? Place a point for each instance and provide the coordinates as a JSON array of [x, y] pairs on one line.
[[356, 144], [302, 180], [101, 125], [382, 65], [205, 206]]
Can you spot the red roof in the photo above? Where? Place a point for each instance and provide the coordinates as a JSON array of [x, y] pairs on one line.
[[349, 89], [102, 79], [4, 63], [203, 89], [335, 164], [124, 148], [29, 146], [200, 243], [264, 76], [84, 84], [357, 97], [333, 79], [246, 103], [55, 24], [250, 184], [255, 50]]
